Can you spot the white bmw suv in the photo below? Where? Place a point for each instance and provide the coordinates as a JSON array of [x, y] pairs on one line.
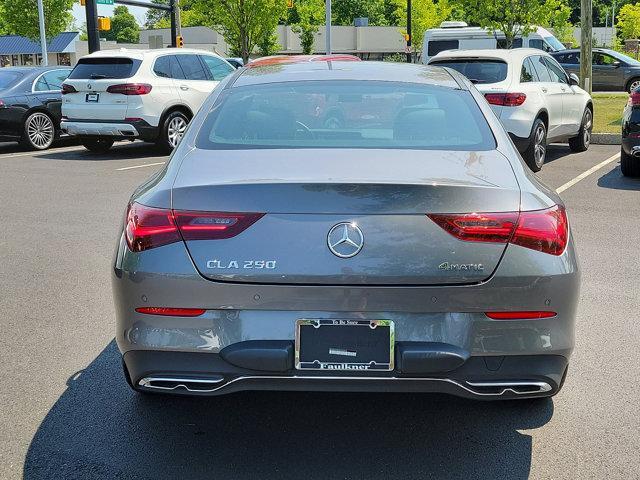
[[149, 95], [531, 94]]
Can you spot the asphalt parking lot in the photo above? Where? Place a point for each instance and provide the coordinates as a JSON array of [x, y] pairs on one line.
[[67, 412]]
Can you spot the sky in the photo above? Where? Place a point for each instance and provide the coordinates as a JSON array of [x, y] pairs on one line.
[[107, 11]]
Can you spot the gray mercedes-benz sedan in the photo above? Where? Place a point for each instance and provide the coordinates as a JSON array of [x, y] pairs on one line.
[[349, 226]]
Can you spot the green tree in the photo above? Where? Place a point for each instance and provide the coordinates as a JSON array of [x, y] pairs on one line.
[[189, 17], [344, 11], [514, 18], [243, 23], [268, 44], [425, 14], [20, 17], [629, 21], [124, 27], [559, 21], [310, 17]]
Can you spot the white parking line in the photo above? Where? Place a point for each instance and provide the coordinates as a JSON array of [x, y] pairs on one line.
[[140, 166], [40, 152], [584, 175]]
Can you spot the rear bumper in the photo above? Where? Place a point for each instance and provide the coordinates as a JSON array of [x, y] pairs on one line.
[[631, 146], [484, 378], [118, 129]]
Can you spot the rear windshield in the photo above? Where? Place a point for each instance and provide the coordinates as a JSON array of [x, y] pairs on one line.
[[97, 68], [7, 79], [478, 71], [345, 114]]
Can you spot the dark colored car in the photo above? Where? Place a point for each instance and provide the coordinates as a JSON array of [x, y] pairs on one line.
[[611, 70], [630, 150], [30, 105]]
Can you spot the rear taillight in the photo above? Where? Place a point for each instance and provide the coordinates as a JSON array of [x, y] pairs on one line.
[[213, 225], [130, 88], [148, 227], [542, 230], [634, 98], [66, 88], [506, 99]]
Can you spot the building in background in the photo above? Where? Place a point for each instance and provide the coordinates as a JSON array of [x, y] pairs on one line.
[[16, 50]]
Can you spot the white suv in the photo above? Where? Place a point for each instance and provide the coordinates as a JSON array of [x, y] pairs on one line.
[[531, 94], [149, 95]]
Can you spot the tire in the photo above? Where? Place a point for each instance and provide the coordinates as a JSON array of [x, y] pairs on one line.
[[629, 165], [98, 145], [581, 142], [173, 128], [633, 84], [536, 152], [39, 131]]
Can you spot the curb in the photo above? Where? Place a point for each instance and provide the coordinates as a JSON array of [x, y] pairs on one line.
[[606, 138]]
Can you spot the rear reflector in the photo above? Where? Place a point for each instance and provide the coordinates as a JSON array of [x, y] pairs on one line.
[[542, 230], [172, 312], [519, 315], [66, 88], [130, 88], [148, 227], [506, 99]]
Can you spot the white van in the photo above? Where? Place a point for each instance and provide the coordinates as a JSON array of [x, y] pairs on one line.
[[459, 36]]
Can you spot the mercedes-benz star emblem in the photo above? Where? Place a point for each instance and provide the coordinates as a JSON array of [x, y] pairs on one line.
[[345, 240]]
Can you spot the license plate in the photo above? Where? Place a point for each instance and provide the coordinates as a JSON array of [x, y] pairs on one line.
[[330, 344], [92, 97]]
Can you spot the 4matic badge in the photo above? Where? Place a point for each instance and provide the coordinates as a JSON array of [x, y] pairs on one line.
[[475, 267]]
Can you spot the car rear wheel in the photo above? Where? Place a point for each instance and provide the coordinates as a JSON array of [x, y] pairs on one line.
[[536, 153], [629, 165], [581, 142], [173, 129], [39, 131], [633, 84], [98, 145]]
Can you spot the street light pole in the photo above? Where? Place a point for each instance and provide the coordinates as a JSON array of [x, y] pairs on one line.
[[43, 34], [91, 13], [586, 42], [409, 52], [327, 36]]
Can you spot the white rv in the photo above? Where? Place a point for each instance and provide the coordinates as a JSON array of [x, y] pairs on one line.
[[459, 36]]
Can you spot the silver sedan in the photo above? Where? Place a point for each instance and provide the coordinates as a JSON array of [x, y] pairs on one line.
[[349, 226]]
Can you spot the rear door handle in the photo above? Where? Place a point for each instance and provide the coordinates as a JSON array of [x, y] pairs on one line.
[[184, 87], [543, 89]]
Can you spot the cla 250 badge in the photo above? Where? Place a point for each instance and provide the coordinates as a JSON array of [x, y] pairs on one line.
[[240, 264]]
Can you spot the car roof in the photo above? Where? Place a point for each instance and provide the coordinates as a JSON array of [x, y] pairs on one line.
[[34, 69], [345, 70], [502, 54], [140, 54]]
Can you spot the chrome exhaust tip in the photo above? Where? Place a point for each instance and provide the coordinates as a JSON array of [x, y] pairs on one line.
[[168, 383], [635, 151], [502, 387]]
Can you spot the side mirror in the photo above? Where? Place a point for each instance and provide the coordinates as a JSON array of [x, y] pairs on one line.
[[616, 64], [573, 79]]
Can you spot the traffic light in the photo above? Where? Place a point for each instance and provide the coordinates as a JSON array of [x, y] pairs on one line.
[[83, 2], [289, 3], [104, 24], [179, 41], [406, 37]]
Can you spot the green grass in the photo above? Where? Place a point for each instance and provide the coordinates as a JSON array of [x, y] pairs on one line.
[[607, 114]]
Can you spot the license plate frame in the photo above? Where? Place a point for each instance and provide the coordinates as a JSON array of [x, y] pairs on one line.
[[337, 353], [92, 98]]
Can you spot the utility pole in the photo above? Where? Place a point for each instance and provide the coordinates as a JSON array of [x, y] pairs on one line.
[[174, 28], [613, 22], [586, 42], [327, 36], [43, 34], [409, 52], [91, 13]]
